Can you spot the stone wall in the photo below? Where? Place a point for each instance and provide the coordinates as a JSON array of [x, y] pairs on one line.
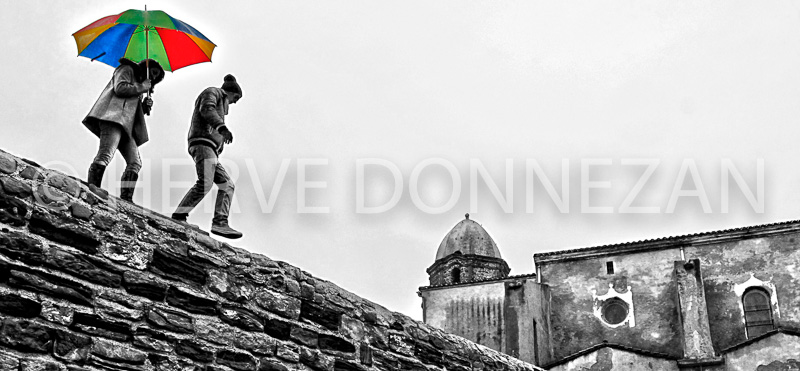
[[89, 282], [770, 261], [472, 311], [608, 358], [773, 353], [575, 284]]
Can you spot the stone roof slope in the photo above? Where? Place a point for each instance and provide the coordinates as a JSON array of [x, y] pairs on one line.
[[90, 282]]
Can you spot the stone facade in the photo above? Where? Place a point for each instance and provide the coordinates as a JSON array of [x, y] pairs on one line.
[[665, 304], [90, 282]]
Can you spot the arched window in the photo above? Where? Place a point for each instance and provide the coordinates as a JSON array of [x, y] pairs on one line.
[[456, 275], [757, 312]]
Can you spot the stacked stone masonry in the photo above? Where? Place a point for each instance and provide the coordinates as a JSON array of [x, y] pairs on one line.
[[90, 282]]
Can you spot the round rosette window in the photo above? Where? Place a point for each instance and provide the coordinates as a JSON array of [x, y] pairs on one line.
[[614, 311]]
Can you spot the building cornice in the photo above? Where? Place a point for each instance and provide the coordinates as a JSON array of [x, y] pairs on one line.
[[467, 257], [605, 344], [481, 282], [696, 239]]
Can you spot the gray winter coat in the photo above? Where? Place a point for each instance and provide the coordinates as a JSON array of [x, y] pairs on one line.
[[208, 118], [120, 103]]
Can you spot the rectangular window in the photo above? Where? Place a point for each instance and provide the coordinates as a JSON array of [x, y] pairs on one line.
[[610, 267]]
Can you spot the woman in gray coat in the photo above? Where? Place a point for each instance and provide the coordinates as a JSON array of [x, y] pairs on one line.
[[117, 118]]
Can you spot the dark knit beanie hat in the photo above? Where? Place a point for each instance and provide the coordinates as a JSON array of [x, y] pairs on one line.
[[231, 86]]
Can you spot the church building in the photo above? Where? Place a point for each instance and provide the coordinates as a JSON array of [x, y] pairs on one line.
[[721, 300]]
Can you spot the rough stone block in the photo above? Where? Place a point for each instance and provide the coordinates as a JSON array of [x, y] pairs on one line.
[[256, 343], [122, 298], [17, 306], [316, 360], [348, 365], [206, 259], [352, 328], [280, 304], [164, 363], [15, 187], [8, 164], [268, 364], [215, 331], [241, 317], [328, 318], [95, 325], [26, 336], [401, 344], [277, 328], [40, 365], [335, 343], [113, 309], [306, 291], [12, 210], [379, 337], [61, 230], [230, 287], [9, 362], [31, 173], [303, 336], [103, 221], [57, 313], [109, 354], [149, 339], [236, 360], [194, 350], [51, 197], [428, 354], [19, 246], [83, 267], [190, 301], [288, 351], [71, 347], [51, 285], [170, 320], [180, 268], [134, 255], [64, 183], [80, 211], [142, 284]]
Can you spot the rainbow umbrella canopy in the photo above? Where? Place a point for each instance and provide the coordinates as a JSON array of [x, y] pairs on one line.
[[138, 35]]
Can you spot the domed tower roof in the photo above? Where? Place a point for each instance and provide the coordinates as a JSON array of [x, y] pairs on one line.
[[468, 238]]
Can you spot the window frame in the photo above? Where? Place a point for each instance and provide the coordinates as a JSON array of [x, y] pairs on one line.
[[749, 326]]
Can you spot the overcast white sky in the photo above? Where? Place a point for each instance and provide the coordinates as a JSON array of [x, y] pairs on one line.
[[670, 83]]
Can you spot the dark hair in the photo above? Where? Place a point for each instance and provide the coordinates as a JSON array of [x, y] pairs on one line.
[[152, 63]]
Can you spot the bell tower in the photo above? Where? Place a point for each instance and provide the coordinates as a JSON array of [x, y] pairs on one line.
[[467, 254]]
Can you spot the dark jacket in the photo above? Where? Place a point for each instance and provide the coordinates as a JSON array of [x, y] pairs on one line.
[[121, 104], [210, 109]]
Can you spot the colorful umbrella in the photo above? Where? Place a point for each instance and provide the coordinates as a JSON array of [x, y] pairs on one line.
[[138, 35]]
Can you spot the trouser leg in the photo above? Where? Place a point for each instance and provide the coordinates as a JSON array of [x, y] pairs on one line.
[[110, 135], [222, 205], [133, 163], [205, 161]]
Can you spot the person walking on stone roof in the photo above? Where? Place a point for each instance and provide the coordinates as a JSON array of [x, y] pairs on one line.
[[208, 135], [117, 118]]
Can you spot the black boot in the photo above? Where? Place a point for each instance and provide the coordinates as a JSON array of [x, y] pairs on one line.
[[129, 179], [96, 174]]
